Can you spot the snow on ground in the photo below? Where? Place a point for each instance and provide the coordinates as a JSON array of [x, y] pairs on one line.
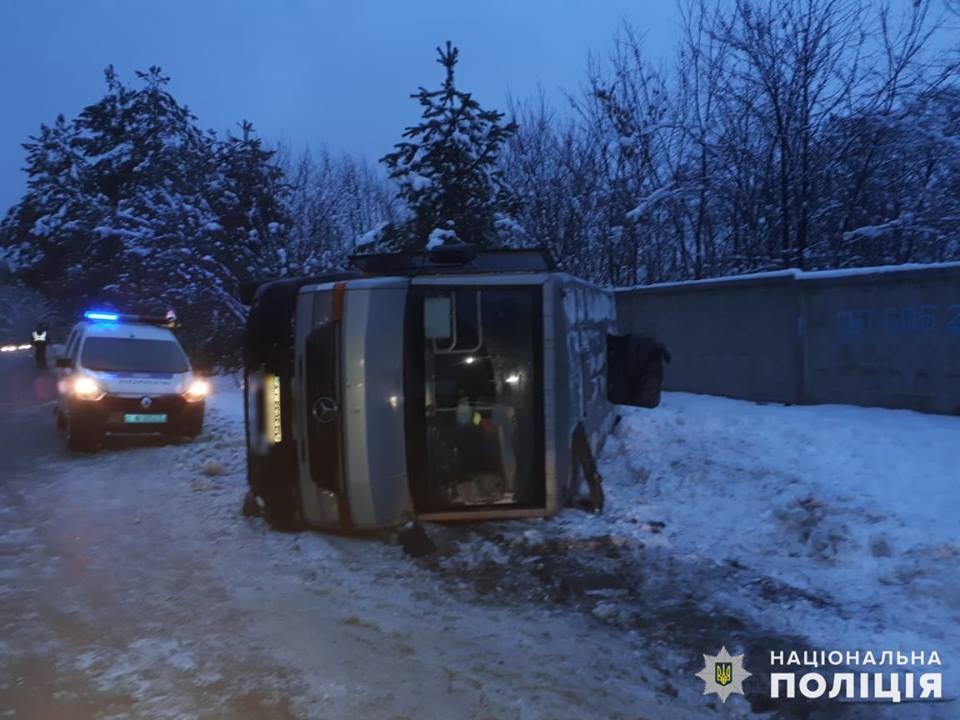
[[130, 585], [763, 527], [824, 527], [859, 507], [834, 526]]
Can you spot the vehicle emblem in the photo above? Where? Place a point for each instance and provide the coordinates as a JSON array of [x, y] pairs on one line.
[[146, 402], [325, 409]]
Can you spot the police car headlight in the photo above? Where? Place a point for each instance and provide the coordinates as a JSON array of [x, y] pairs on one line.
[[87, 389], [197, 391]]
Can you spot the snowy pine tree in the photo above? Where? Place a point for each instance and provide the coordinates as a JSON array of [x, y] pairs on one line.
[[45, 235], [447, 171], [131, 204], [245, 189]]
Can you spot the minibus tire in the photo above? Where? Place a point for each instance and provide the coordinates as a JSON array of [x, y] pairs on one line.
[[282, 510], [251, 508]]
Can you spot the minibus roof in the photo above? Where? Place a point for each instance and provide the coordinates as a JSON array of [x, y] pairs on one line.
[[457, 260]]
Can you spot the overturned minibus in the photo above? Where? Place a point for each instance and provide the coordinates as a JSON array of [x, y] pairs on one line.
[[448, 385]]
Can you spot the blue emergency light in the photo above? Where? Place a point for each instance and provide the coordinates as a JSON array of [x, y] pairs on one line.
[[168, 321], [98, 315]]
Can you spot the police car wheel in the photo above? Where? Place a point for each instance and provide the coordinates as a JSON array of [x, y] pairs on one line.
[[193, 429], [80, 440]]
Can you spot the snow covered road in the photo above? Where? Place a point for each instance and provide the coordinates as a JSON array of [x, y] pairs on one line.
[[130, 586]]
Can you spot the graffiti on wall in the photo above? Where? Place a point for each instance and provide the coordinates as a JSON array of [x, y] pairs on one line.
[[903, 320]]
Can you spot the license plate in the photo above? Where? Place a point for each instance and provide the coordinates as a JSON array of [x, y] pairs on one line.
[[145, 418]]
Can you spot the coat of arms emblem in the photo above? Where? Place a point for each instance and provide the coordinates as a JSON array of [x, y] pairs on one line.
[[723, 674]]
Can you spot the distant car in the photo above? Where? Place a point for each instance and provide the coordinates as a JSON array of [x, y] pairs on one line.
[[126, 374]]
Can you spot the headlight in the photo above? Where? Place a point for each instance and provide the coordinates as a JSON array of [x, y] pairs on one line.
[[197, 391], [87, 388]]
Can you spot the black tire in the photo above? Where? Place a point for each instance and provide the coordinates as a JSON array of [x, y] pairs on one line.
[[191, 428], [194, 429], [81, 439], [282, 509], [251, 508]]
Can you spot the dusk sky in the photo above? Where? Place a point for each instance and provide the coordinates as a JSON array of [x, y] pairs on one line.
[[321, 73], [304, 71]]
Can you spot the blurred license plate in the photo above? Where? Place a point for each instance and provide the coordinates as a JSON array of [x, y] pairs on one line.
[[141, 418]]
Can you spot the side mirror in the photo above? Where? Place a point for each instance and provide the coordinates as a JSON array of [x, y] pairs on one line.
[[248, 291], [635, 370], [65, 363]]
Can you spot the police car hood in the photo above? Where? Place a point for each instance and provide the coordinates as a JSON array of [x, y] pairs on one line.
[[142, 383]]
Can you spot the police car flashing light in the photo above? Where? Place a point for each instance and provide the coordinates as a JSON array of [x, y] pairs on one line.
[[98, 315], [168, 320]]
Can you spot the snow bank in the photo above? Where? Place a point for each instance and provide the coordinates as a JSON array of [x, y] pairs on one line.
[[719, 452], [856, 509]]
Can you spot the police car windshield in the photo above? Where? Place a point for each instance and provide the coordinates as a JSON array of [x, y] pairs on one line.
[[131, 355]]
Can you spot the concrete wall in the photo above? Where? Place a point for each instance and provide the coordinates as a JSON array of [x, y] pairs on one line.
[[887, 337]]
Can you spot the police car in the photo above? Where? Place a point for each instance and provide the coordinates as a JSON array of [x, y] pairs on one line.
[[126, 374]]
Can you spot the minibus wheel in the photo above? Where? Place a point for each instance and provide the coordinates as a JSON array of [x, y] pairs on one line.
[[281, 509], [251, 508]]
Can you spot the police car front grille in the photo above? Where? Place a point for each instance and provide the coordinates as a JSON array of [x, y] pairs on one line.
[[157, 404]]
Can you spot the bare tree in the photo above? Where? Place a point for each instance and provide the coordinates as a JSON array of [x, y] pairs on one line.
[[332, 202]]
